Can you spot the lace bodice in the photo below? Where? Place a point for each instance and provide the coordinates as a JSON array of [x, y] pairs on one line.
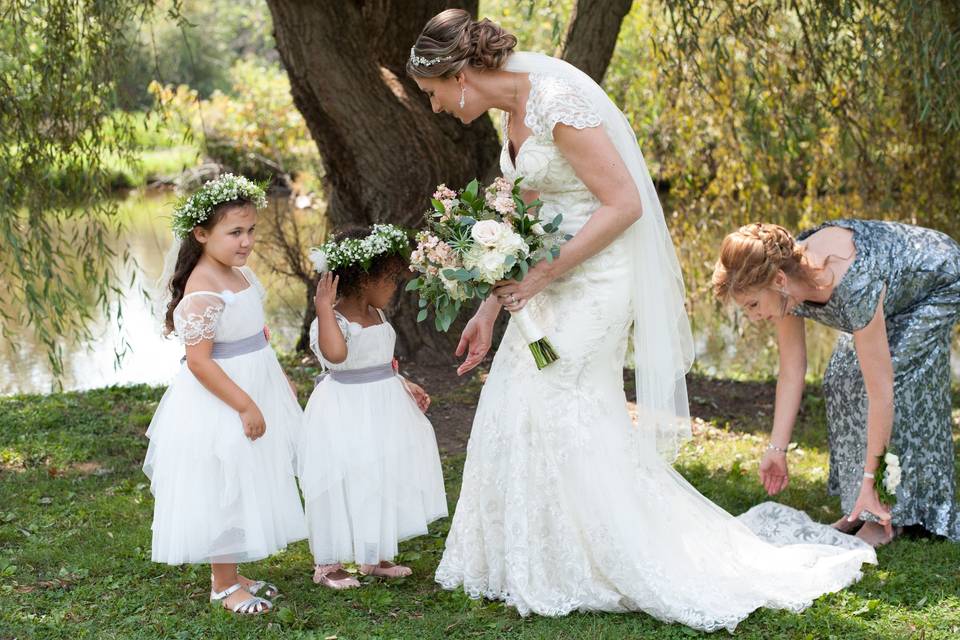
[[543, 167], [366, 346], [223, 316]]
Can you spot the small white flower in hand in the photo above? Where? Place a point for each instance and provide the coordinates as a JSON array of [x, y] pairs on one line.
[[892, 473], [891, 479]]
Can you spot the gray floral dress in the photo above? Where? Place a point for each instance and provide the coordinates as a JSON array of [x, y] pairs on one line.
[[919, 269]]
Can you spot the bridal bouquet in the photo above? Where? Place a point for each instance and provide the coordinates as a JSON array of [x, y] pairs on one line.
[[475, 238]]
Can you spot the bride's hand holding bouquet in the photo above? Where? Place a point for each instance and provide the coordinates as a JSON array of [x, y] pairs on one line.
[[477, 244]]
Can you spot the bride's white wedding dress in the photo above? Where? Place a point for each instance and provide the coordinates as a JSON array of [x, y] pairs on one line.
[[565, 504]]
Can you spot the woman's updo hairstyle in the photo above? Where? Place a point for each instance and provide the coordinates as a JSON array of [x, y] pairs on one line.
[[454, 40], [751, 257]]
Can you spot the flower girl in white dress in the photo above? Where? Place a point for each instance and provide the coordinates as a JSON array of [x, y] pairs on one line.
[[369, 466], [221, 456]]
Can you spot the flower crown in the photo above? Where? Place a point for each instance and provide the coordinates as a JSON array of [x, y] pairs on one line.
[[420, 61], [193, 210], [383, 239]]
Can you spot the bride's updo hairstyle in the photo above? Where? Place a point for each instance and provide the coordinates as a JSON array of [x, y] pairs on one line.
[[452, 40], [751, 257]]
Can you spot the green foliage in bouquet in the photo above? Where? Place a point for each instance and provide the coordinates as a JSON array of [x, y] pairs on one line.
[[473, 239]]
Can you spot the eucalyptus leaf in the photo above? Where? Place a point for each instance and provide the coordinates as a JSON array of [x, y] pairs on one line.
[[472, 188]]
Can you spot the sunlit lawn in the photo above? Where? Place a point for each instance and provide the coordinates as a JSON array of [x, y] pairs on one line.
[[75, 513]]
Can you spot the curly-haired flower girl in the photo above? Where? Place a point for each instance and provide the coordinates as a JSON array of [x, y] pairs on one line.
[[369, 466]]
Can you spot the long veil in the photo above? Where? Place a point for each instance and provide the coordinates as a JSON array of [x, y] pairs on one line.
[[662, 342], [161, 293]]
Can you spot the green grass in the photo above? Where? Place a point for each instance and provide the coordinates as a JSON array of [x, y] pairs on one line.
[[75, 514]]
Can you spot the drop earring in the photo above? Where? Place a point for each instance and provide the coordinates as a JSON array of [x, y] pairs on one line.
[[463, 94]]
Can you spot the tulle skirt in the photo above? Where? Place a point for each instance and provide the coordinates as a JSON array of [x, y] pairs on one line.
[[369, 469], [219, 497]]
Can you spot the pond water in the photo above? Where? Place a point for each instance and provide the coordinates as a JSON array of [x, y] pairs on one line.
[[726, 345]]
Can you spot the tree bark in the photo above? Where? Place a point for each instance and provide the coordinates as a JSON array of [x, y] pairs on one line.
[[592, 34]]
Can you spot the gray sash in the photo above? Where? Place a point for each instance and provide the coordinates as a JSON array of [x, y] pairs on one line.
[[240, 347], [236, 348], [365, 375]]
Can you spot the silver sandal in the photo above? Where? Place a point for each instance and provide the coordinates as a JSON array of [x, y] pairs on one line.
[[251, 606], [269, 590]]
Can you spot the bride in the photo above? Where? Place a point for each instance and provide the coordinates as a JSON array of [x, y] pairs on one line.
[[566, 505]]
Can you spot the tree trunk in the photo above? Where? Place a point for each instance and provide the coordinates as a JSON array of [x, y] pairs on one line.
[[592, 34]]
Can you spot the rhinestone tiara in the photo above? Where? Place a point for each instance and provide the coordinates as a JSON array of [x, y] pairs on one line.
[[420, 61]]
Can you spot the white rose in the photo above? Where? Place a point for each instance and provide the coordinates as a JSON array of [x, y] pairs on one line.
[[538, 229], [486, 232], [891, 459], [510, 243], [319, 260]]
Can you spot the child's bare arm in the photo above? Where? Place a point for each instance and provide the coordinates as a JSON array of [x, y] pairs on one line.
[[330, 339], [211, 376], [421, 397]]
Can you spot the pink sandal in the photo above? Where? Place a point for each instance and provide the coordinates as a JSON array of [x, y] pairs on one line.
[[321, 576], [395, 571]]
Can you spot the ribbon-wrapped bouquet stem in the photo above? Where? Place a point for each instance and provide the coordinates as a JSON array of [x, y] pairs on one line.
[[475, 238]]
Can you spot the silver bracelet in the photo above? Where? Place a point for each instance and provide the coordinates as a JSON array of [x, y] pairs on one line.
[[867, 474], [773, 447]]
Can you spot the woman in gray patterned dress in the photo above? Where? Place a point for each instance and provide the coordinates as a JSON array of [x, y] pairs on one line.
[[894, 291]]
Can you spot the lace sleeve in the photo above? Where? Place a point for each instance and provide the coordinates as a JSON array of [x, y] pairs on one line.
[[254, 281], [555, 101], [197, 316]]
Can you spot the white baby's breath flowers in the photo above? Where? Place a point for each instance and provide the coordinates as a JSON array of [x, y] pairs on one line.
[[383, 239], [193, 210]]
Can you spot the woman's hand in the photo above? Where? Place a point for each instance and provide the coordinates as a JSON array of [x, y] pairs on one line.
[[869, 501], [514, 294], [254, 425], [773, 471], [476, 340], [421, 397], [326, 295]]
